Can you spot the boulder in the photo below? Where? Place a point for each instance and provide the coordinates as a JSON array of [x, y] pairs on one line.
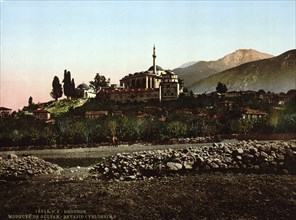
[[171, 166], [12, 156]]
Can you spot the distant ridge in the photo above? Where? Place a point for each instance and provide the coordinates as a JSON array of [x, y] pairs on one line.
[[277, 74], [203, 69]]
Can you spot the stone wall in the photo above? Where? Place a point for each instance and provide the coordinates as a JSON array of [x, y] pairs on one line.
[[256, 157]]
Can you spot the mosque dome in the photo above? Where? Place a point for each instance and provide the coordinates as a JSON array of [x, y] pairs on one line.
[[158, 68], [83, 86]]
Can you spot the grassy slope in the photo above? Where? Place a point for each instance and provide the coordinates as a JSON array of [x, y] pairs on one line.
[[63, 106]]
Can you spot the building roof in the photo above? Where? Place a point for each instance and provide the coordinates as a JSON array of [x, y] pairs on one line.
[[111, 91], [83, 86], [158, 68], [96, 113], [254, 112], [41, 111], [5, 109]]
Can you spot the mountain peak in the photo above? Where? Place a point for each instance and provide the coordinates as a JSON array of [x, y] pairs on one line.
[[193, 73], [275, 74], [242, 56]]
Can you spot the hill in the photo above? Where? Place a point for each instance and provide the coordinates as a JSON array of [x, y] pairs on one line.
[[277, 74], [203, 69]]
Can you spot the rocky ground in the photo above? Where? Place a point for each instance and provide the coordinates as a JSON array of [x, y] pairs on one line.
[[252, 157], [238, 180]]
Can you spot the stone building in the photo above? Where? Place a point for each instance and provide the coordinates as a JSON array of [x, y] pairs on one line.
[[42, 114], [153, 84], [85, 91], [4, 111]]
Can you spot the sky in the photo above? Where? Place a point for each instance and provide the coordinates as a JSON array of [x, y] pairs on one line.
[[40, 39]]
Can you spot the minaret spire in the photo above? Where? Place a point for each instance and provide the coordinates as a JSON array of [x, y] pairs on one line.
[[154, 58]]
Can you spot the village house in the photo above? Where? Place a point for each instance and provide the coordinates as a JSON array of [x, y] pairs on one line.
[[4, 111], [41, 114], [253, 114], [225, 104], [95, 114], [233, 94]]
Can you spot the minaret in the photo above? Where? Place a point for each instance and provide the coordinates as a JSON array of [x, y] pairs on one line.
[[154, 57]]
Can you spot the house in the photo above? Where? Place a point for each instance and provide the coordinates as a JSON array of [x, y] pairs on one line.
[[253, 114], [4, 111], [41, 114], [233, 94], [225, 104], [95, 114]]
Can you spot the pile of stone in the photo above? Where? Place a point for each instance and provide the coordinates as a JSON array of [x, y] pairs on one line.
[[14, 167], [252, 156]]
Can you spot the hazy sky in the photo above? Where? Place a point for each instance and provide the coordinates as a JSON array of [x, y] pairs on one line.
[[41, 39]]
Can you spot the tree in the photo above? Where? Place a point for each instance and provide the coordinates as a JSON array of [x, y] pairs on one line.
[[221, 88], [57, 90], [68, 88], [30, 102], [99, 81], [73, 90]]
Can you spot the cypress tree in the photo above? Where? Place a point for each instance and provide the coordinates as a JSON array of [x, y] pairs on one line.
[[67, 84], [57, 90], [73, 90]]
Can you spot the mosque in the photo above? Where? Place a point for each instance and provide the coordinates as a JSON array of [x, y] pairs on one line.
[[153, 84]]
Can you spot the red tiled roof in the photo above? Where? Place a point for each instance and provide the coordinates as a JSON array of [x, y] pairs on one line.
[[110, 91]]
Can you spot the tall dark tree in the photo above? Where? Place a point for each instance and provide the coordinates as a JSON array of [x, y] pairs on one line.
[[99, 81], [221, 88], [57, 90], [68, 90], [30, 102], [73, 90]]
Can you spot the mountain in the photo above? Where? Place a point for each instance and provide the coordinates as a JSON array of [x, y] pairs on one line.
[[203, 69], [188, 64], [277, 74]]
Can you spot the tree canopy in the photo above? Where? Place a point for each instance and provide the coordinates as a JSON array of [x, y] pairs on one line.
[[69, 85], [57, 90], [98, 82], [221, 88]]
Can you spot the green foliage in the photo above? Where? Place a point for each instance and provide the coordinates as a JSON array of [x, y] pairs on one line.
[[63, 106], [221, 88], [290, 106], [99, 81], [69, 85], [57, 90], [176, 129], [241, 126], [152, 131], [287, 124]]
